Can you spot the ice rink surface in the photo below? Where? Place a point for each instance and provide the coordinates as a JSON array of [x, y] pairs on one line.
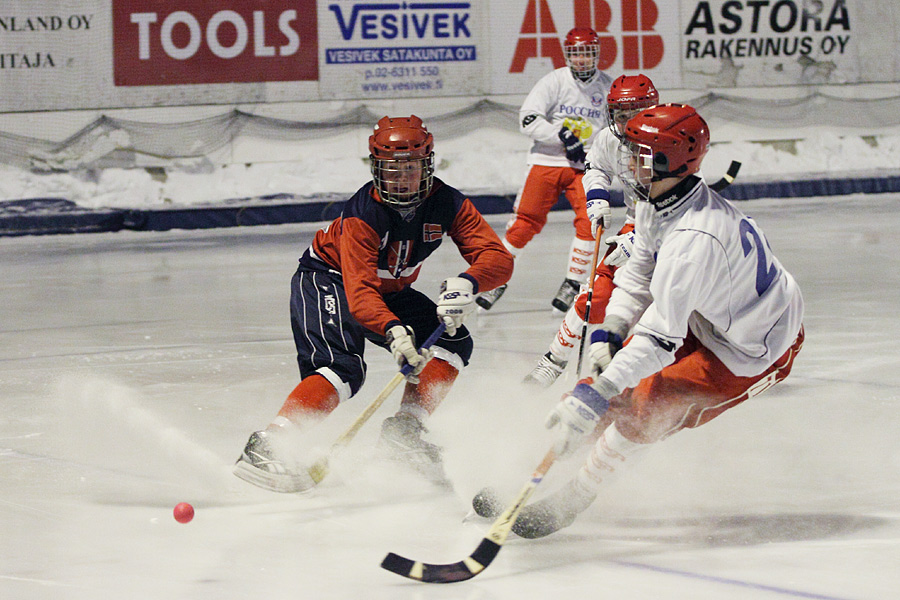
[[133, 366]]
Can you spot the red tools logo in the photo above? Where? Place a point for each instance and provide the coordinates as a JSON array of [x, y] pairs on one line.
[[214, 41]]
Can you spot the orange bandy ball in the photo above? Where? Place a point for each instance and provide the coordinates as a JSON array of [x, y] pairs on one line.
[[183, 512]]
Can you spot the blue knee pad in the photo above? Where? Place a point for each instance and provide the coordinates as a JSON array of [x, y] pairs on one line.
[[460, 345]]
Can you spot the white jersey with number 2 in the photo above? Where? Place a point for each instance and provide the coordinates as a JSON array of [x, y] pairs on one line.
[[702, 264]]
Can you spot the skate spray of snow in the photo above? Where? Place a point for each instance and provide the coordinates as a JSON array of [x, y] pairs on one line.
[[125, 452]]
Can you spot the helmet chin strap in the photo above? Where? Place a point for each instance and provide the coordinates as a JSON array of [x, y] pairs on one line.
[[585, 76], [659, 175]]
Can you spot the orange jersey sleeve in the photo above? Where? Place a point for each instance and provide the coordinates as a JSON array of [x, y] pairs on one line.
[[490, 263]]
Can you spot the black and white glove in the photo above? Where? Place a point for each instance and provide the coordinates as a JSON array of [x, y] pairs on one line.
[[574, 147], [624, 249], [402, 342], [575, 416], [605, 342], [456, 302], [598, 212]]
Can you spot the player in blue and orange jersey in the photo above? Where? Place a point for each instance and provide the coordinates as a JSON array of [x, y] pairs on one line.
[[353, 285]]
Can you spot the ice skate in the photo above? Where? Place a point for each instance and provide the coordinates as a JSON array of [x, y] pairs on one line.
[[566, 295], [401, 441], [259, 465], [546, 372], [487, 299], [553, 513]]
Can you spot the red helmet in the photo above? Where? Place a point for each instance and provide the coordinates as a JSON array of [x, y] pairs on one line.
[[674, 136], [401, 152], [628, 95], [582, 52]]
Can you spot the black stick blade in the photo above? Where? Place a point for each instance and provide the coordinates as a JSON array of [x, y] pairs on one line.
[[450, 573], [728, 178], [486, 551]]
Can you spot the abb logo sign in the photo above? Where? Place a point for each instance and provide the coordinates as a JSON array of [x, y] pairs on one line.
[[214, 41], [638, 46]]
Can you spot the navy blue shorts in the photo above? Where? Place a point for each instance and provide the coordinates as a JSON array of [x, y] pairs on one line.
[[331, 343]]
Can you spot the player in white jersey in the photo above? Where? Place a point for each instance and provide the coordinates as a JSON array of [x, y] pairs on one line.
[[628, 95], [563, 113], [715, 317]]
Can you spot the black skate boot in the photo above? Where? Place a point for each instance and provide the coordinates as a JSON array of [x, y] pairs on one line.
[[487, 299], [566, 295], [554, 512], [259, 465], [546, 372], [401, 440]]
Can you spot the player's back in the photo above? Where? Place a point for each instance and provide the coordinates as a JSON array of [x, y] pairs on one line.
[[754, 308]]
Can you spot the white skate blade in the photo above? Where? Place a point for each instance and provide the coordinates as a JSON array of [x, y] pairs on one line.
[[471, 516]]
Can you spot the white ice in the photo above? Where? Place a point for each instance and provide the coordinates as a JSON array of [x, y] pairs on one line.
[[133, 366]]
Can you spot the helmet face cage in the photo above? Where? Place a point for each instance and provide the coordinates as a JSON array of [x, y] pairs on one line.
[[403, 183], [621, 113], [402, 161], [582, 52], [635, 167], [582, 60]]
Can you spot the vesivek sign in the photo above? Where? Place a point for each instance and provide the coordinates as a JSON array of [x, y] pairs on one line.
[[413, 20], [401, 32]]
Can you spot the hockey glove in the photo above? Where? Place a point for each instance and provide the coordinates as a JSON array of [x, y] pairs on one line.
[[401, 340], [575, 417], [604, 345], [456, 302], [574, 147], [624, 249], [598, 212]]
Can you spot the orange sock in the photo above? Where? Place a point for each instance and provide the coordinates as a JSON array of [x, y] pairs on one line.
[[435, 381], [313, 397]]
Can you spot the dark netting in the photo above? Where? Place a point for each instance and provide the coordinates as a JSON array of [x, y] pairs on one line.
[[110, 142], [813, 110], [283, 129]]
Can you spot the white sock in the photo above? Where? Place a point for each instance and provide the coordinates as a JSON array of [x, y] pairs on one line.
[[283, 424], [568, 337], [512, 249], [607, 459], [415, 410], [580, 253]]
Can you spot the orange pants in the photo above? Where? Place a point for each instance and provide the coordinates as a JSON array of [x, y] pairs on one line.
[[692, 391], [540, 192]]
